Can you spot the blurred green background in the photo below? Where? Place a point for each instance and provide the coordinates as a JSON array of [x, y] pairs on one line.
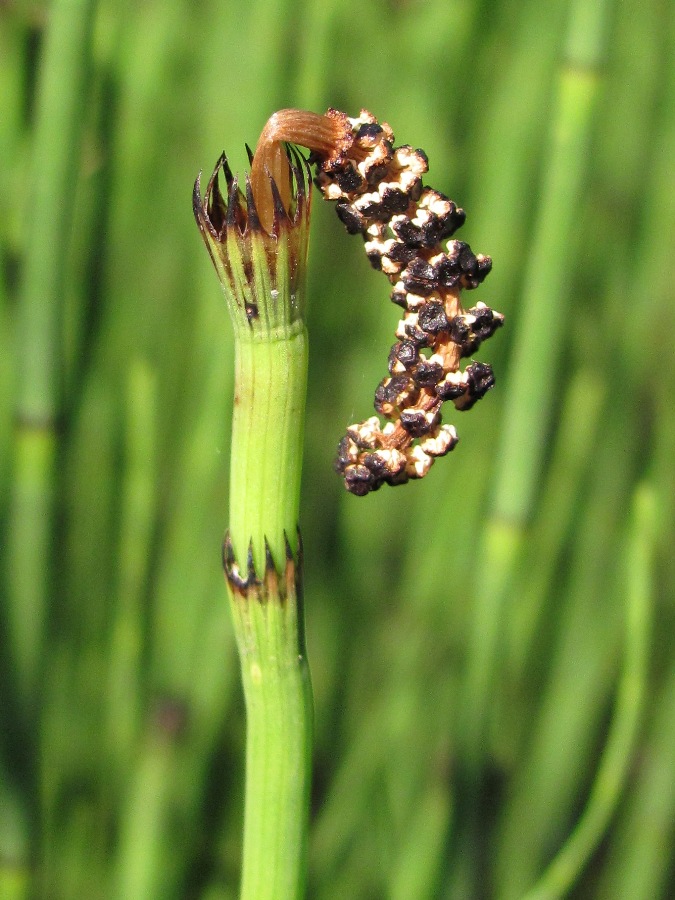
[[491, 649]]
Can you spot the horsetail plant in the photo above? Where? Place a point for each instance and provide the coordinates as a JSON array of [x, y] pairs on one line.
[[258, 239]]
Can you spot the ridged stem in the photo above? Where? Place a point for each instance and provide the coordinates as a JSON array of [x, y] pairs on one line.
[[266, 455], [262, 272], [278, 746], [270, 384]]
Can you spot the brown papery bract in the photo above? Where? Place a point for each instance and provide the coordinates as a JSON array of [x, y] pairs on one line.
[[326, 135]]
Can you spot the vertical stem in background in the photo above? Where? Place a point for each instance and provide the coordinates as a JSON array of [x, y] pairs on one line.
[[532, 375], [138, 508], [263, 275], [140, 871], [616, 758], [12, 91], [60, 112]]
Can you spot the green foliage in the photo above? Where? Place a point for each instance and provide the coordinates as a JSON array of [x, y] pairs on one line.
[[490, 696]]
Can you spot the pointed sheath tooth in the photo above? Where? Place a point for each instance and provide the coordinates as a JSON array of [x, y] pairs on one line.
[[222, 165], [217, 206], [249, 153], [253, 222], [227, 171], [271, 577], [301, 201], [287, 547], [269, 559], [233, 204], [280, 214], [300, 178], [294, 573], [295, 161], [213, 179], [214, 206], [198, 207], [228, 554], [252, 577]]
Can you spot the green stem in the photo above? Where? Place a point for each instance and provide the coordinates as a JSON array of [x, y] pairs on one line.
[[141, 870], [270, 384], [267, 435], [611, 777], [278, 748], [263, 276], [536, 354], [56, 149]]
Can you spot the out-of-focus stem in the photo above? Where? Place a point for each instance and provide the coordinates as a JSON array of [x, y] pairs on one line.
[[60, 102], [530, 392], [638, 580]]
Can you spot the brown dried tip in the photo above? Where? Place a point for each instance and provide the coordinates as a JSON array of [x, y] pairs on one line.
[[327, 136]]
